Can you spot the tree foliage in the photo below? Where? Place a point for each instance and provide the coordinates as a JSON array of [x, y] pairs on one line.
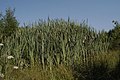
[[114, 36], [8, 23]]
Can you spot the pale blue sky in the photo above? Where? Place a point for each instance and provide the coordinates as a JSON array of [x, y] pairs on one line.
[[99, 13]]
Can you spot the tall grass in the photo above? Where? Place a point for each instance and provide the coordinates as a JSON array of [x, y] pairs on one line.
[[54, 43]]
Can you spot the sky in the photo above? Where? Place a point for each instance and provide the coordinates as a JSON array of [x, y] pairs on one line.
[[99, 13]]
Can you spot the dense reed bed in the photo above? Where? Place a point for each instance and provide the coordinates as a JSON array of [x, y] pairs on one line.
[[58, 50]]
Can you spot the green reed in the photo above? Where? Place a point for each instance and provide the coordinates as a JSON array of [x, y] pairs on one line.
[[55, 42]]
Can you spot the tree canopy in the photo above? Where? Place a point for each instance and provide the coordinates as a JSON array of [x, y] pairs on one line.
[[8, 23]]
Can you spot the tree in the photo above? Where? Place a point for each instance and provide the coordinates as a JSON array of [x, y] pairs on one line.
[[114, 36], [9, 23], [1, 26]]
